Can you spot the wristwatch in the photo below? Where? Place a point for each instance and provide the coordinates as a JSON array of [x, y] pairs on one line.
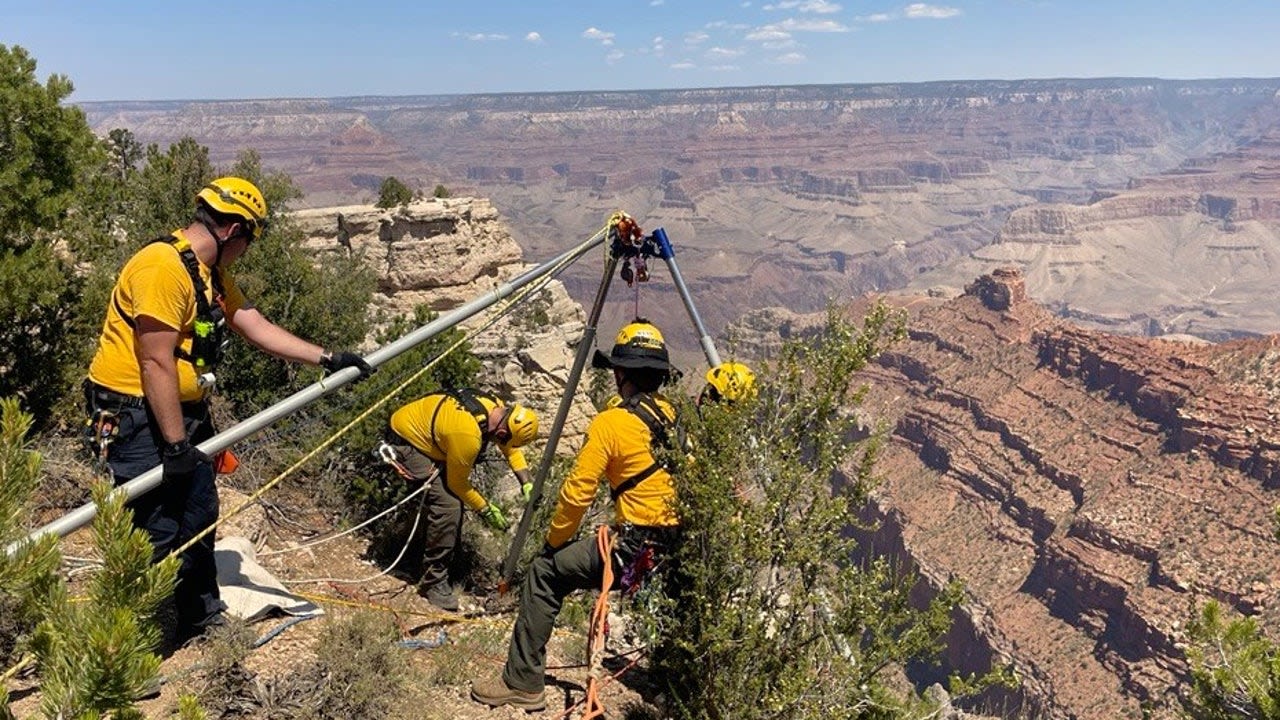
[[176, 448]]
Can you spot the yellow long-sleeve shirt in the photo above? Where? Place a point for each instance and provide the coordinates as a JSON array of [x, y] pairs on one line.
[[455, 440], [618, 447]]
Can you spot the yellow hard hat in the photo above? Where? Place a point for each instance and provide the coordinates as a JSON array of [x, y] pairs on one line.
[[638, 345], [731, 381], [239, 197], [522, 423]]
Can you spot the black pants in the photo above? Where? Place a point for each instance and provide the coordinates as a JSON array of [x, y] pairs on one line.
[[172, 514]]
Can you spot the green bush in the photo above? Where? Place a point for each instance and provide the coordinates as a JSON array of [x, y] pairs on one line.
[[771, 613], [393, 193], [1235, 669]]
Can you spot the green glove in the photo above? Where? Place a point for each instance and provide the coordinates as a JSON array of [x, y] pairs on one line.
[[494, 518], [527, 490]]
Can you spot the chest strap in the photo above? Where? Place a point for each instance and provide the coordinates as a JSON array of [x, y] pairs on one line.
[[645, 407], [208, 344]]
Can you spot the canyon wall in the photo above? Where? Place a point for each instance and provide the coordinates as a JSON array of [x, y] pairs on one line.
[[1091, 490]]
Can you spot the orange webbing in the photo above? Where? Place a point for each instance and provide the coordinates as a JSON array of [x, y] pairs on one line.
[[594, 708]]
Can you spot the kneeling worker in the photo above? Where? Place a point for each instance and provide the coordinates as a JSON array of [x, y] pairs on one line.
[[619, 446], [448, 431]]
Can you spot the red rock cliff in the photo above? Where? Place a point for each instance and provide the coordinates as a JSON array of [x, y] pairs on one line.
[[1090, 489]]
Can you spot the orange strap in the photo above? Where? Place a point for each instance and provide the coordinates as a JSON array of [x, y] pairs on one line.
[[594, 708]]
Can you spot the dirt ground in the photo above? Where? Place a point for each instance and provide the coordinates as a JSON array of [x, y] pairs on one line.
[[438, 686]]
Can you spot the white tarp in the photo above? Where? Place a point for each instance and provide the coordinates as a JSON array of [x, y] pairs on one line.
[[249, 591]]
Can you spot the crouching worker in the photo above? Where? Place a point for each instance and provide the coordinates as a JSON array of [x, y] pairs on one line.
[[448, 432], [164, 333], [620, 447]]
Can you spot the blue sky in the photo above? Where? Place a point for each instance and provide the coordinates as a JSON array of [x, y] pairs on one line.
[[144, 50]]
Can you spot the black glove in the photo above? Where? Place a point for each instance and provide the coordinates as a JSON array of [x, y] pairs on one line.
[[181, 460], [332, 362]]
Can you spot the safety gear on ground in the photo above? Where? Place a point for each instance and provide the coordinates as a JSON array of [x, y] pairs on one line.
[[180, 461], [494, 518], [730, 381], [522, 423], [638, 345], [239, 197], [343, 359], [494, 692]]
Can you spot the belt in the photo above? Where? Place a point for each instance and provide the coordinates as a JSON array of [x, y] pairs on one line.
[[112, 400], [107, 397]]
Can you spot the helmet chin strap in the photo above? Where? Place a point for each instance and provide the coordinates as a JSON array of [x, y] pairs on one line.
[[217, 242]]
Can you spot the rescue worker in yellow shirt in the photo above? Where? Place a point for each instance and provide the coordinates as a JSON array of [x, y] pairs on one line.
[[162, 338], [448, 431], [619, 446]]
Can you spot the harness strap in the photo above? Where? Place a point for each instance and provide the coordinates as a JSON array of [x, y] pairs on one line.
[[643, 406], [208, 338], [468, 400]]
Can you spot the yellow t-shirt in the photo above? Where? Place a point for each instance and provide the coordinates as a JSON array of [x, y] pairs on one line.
[[154, 283], [618, 447], [455, 440]]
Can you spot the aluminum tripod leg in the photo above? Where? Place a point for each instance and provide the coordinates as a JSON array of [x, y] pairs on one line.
[[668, 254], [566, 401]]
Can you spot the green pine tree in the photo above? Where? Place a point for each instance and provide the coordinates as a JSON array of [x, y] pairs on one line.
[[97, 654], [27, 575]]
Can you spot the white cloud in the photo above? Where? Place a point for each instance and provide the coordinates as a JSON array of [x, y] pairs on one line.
[[685, 65], [605, 38], [721, 53], [697, 37], [723, 68], [821, 7], [793, 58], [798, 25], [876, 18], [655, 3], [924, 10], [614, 56], [769, 33], [534, 37], [480, 37]]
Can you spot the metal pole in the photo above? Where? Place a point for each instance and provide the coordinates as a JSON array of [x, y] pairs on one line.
[[668, 254], [138, 486], [553, 440]]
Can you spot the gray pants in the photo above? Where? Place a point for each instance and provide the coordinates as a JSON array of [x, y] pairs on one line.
[[442, 512]]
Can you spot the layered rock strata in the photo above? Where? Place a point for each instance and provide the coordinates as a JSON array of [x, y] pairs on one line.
[[442, 253], [1091, 490]]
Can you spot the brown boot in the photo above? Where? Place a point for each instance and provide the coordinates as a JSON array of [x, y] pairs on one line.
[[495, 692]]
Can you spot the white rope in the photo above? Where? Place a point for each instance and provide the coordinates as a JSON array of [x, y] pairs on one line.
[[364, 524]]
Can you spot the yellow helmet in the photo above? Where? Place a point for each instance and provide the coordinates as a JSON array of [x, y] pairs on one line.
[[730, 381], [239, 197], [522, 423], [638, 345]]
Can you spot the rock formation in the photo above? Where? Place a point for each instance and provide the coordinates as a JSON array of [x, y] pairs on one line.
[[443, 253], [1091, 490]]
